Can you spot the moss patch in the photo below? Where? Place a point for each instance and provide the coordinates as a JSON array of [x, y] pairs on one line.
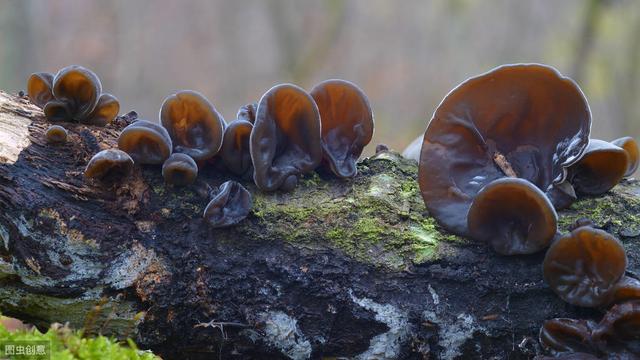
[[378, 217]]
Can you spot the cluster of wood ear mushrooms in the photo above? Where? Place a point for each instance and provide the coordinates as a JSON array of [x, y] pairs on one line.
[[288, 133], [503, 152]]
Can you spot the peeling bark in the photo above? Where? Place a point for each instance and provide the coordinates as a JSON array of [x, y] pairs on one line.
[[333, 269]]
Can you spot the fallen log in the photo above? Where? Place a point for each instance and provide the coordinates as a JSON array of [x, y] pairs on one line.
[[334, 268]]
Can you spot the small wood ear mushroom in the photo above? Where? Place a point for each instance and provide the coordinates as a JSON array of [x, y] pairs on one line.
[[74, 94], [633, 153], [56, 134], [247, 112], [109, 166], [194, 125], [525, 121], [627, 289], [567, 336], [601, 168], [620, 328], [180, 170], [39, 88], [514, 216], [347, 124], [285, 141], [229, 205], [583, 267], [146, 142], [235, 151]]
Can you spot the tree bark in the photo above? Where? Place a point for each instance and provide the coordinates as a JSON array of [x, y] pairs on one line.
[[334, 268]]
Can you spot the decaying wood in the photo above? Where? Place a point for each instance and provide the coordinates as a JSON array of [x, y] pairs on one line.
[[333, 269]]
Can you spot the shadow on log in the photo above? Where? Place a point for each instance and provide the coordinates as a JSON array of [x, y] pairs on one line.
[[333, 269]]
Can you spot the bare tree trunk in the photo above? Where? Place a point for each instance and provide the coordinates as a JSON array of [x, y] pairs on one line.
[[335, 268]]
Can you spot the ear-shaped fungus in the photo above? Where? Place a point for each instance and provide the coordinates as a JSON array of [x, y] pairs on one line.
[[627, 289], [76, 89], [347, 124], [514, 216], [180, 169], [633, 153], [39, 88], [285, 141], [146, 142], [194, 125], [229, 205], [109, 166], [247, 112], [56, 134], [601, 168], [517, 120], [105, 111], [567, 335], [620, 328], [235, 150], [584, 266]]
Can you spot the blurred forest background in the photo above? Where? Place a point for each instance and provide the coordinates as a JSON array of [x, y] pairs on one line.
[[406, 55]]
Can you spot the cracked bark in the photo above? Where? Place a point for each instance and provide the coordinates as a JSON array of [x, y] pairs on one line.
[[333, 269]]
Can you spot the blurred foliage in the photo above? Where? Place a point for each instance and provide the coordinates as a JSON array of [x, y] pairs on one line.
[[406, 55]]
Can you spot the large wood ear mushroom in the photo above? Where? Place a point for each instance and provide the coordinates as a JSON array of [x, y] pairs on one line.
[[601, 168], [285, 141], [583, 267], [194, 125], [563, 335], [633, 153], [109, 166], [78, 89], [514, 216], [235, 151], [229, 205], [146, 142], [347, 124], [39, 88], [525, 121], [180, 170]]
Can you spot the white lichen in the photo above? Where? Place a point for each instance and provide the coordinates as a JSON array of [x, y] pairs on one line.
[[282, 332], [386, 345], [129, 266], [453, 333]]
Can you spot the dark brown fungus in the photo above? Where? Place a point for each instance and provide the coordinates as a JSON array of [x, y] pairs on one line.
[[109, 166], [73, 94], [601, 168], [146, 142], [562, 195], [247, 112], [56, 134], [567, 336], [627, 289], [229, 205], [194, 125], [583, 266], [514, 216], [347, 124], [620, 328], [39, 88], [235, 147], [285, 141], [179, 169], [522, 120], [629, 145], [77, 89], [105, 111]]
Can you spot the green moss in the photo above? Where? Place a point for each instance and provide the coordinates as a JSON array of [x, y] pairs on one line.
[[66, 344]]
